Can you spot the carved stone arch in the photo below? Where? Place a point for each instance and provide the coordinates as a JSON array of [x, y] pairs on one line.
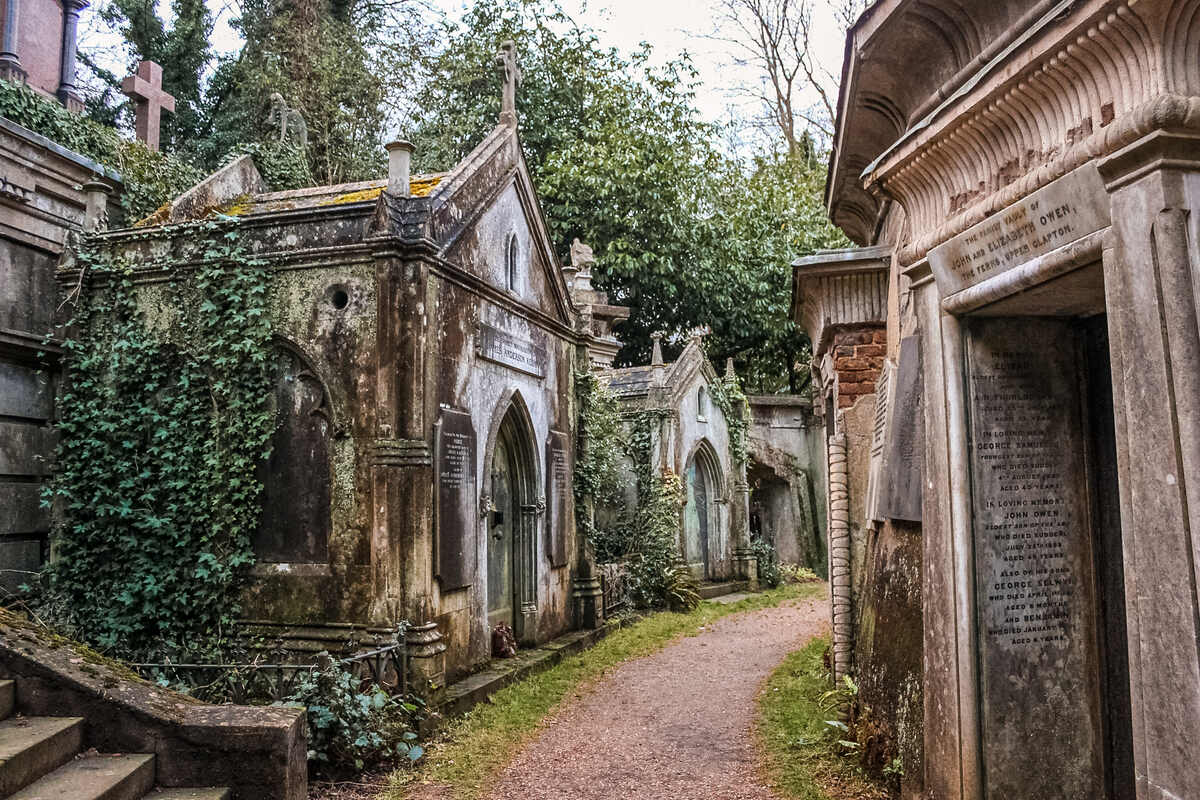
[[297, 475], [707, 453], [515, 520], [704, 490]]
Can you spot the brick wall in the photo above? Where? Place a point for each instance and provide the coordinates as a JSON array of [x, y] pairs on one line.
[[858, 355]]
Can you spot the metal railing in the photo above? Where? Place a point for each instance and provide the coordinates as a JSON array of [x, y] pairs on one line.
[[614, 580]]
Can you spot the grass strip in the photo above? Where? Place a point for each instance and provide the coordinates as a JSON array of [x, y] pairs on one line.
[[474, 748], [801, 759]]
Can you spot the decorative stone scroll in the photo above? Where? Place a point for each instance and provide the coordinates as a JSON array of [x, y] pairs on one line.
[[455, 513], [877, 473], [558, 497], [1055, 215], [905, 456], [512, 351], [1039, 661]]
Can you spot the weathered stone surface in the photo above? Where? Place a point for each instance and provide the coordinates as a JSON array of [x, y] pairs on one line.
[[1038, 653], [906, 440], [559, 497]]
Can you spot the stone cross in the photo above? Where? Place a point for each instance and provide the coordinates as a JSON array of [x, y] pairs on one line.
[[146, 90], [510, 76]]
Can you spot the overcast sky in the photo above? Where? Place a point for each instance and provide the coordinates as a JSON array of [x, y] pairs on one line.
[[671, 27]]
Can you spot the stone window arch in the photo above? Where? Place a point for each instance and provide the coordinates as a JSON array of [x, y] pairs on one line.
[[296, 476]]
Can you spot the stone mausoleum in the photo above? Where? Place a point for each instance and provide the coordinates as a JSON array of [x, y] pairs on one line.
[[1027, 177], [690, 436], [426, 338]]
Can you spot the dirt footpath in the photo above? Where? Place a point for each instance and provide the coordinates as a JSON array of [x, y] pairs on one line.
[[677, 724]]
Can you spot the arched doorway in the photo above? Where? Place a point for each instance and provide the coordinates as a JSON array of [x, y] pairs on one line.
[[700, 520], [511, 521]]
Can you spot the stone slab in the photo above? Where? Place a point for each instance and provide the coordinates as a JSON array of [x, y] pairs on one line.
[[885, 390], [905, 456], [25, 392], [456, 499], [1039, 661], [558, 497], [1055, 215]]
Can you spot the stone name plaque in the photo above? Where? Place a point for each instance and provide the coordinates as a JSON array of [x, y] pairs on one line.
[[1057, 214], [1034, 577], [905, 457], [456, 499], [558, 497], [512, 351]]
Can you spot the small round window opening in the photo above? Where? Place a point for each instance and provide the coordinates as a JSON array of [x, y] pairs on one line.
[[339, 297], [510, 263]]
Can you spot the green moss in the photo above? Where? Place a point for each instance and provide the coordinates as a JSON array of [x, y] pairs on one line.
[[473, 749], [801, 761]]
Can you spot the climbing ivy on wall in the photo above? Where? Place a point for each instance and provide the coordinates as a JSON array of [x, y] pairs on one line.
[[164, 421], [728, 396]]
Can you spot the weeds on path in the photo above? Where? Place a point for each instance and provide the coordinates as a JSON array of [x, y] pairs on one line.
[[476, 747], [802, 761]]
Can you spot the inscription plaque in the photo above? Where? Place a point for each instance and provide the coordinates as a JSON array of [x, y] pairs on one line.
[[558, 497], [905, 456], [456, 500], [878, 468], [512, 351], [1059, 213], [1034, 575]]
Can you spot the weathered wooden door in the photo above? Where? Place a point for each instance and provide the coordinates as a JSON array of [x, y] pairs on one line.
[[502, 528]]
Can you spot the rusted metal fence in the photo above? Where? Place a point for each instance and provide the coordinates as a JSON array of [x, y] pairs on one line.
[[614, 578]]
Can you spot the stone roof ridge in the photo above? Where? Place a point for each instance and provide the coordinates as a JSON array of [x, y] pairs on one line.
[[463, 170]]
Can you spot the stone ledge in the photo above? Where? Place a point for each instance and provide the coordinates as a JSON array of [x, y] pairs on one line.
[[260, 752], [461, 696]]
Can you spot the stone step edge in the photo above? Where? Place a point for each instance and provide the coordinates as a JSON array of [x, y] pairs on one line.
[[710, 590], [463, 695], [128, 777]]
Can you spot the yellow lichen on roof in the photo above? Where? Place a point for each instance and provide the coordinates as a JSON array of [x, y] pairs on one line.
[[421, 187], [236, 207], [353, 197]]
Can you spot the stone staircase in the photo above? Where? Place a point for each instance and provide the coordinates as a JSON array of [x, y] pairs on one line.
[[42, 758], [712, 590]]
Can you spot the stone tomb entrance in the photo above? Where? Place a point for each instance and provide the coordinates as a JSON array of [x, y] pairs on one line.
[[703, 488], [510, 524], [1054, 681]]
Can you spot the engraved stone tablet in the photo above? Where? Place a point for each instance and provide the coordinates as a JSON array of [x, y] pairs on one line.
[[877, 470], [1034, 576], [512, 351], [1057, 214], [559, 504], [905, 457], [456, 500]]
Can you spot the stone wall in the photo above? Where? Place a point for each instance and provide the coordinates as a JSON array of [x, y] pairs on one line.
[[858, 355]]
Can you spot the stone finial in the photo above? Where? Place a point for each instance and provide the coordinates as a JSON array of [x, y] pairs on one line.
[[399, 167], [730, 374], [95, 215], [145, 87], [582, 260], [697, 335], [289, 121], [510, 78], [656, 358]]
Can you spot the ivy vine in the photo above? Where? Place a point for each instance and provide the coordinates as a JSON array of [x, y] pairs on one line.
[[728, 396], [164, 422]]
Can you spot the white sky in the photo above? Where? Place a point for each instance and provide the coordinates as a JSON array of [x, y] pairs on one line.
[[671, 27]]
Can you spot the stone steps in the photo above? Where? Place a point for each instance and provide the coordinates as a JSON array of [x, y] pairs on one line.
[[40, 759], [97, 777], [30, 747]]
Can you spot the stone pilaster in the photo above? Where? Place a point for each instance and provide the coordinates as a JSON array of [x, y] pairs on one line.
[[426, 660], [1150, 268]]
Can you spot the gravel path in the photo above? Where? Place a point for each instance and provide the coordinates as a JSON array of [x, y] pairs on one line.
[[677, 724]]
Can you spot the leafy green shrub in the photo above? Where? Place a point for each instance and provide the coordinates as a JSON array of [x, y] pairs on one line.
[[348, 726], [283, 165], [162, 429], [770, 572], [655, 576]]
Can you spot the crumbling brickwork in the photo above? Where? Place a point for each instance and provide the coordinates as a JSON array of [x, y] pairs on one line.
[[858, 355]]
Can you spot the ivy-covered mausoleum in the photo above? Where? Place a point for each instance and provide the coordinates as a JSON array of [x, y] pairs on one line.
[[424, 339]]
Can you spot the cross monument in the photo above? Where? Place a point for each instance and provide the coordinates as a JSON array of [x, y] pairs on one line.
[[145, 88], [510, 76]]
